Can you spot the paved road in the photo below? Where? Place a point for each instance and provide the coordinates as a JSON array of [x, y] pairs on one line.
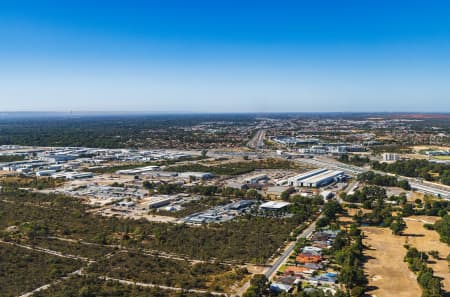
[[430, 189], [288, 251], [258, 140]]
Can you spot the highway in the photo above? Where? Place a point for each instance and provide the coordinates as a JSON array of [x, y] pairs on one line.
[[257, 141], [434, 190], [288, 251]]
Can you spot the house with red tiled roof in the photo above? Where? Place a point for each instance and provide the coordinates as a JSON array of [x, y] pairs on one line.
[[308, 258]]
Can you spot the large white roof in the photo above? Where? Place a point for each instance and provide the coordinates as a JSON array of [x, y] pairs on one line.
[[275, 204], [325, 175], [308, 174]]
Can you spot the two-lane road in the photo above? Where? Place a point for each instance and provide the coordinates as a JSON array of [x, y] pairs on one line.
[[288, 251]]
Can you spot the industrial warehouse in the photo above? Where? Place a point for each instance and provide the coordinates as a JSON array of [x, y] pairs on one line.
[[316, 178]]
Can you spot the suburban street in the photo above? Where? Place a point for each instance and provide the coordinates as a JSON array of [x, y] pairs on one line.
[[287, 252]]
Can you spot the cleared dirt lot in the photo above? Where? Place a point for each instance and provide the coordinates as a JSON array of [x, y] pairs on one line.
[[387, 273], [428, 240]]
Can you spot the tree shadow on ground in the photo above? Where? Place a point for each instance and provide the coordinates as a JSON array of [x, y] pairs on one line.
[[370, 289], [412, 235]]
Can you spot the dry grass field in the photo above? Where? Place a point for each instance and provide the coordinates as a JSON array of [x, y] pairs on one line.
[[428, 240], [387, 273]]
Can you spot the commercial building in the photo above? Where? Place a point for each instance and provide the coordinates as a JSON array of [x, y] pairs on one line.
[[198, 175], [281, 182], [221, 213], [294, 140], [256, 178], [274, 206], [337, 150], [389, 157], [56, 158], [159, 201], [107, 194], [240, 204], [80, 175], [126, 204], [332, 148], [314, 150], [296, 180], [322, 179], [237, 185], [45, 173], [137, 170], [26, 165], [55, 167], [73, 175]]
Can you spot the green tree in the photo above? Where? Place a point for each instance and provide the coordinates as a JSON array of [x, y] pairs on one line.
[[258, 285], [443, 228], [408, 210], [398, 226]]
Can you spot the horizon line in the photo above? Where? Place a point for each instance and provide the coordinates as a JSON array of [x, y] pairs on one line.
[[168, 112]]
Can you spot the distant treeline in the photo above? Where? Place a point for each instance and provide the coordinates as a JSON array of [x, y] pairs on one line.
[[114, 131]]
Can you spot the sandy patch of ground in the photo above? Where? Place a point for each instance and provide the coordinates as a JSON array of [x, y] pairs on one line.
[[256, 269], [423, 219], [428, 240], [347, 218], [418, 148], [160, 219], [394, 191], [3, 172], [124, 213], [386, 271], [412, 196]]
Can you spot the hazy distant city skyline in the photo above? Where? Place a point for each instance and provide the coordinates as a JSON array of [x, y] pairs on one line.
[[205, 56]]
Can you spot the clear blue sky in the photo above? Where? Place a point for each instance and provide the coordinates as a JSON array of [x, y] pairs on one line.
[[225, 56]]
